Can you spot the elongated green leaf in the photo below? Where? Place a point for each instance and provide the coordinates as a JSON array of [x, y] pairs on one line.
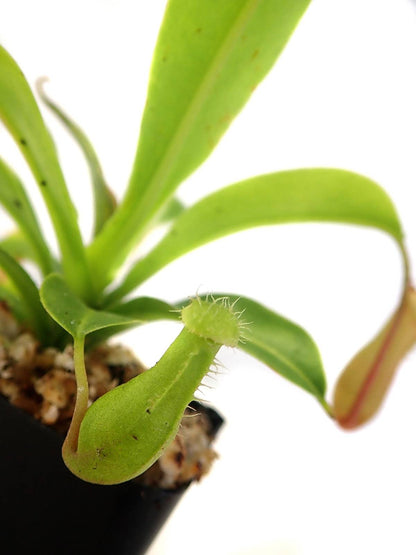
[[147, 309], [142, 310], [71, 312], [209, 58], [20, 113], [38, 320], [18, 247], [277, 342], [282, 345], [170, 211], [14, 199], [104, 200], [314, 195], [14, 303]]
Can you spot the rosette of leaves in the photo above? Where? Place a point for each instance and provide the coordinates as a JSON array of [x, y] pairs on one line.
[[209, 58]]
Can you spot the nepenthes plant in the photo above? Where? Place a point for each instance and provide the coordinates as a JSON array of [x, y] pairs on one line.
[[208, 60]]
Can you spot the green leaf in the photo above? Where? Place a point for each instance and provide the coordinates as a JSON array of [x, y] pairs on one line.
[[170, 211], [18, 247], [142, 310], [277, 342], [38, 320], [146, 309], [280, 344], [71, 312], [209, 58], [14, 303], [104, 200], [20, 113], [14, 199], [307, 195]]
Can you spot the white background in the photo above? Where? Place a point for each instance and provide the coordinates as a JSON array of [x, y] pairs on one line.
[[343, 94]]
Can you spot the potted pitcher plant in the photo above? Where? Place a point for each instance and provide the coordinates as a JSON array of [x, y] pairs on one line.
[[132, 438]]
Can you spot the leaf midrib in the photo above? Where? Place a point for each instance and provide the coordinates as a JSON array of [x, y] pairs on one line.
[[157, 182], [289, 364]]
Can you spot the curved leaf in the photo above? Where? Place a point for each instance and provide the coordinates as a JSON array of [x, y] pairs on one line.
[[17, 246], [38, 319], [14, 199], [14, 303], [169, 211], [20, 113], [71, 312], [142, 310], [307, 195], [277, 342], [104, 200], [209, 58], [282, 345]]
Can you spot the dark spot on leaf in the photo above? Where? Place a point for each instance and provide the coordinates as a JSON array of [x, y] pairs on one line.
[[134, 437], [17, 203], [199, 30], [43, 183], [255, 54], [148, 411], [23, 142], [164, 58]]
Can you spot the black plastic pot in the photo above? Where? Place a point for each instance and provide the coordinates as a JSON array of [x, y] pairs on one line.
[[45, 509]]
